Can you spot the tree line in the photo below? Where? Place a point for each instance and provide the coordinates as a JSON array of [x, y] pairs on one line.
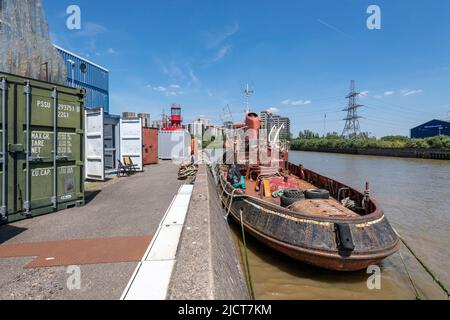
[[310, 140]]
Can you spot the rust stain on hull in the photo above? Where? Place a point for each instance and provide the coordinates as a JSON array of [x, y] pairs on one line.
[[331, 261], [79, 252]]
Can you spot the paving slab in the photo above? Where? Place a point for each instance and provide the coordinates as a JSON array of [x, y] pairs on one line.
[[131, 207]]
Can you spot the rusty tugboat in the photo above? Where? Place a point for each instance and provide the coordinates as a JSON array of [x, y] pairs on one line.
[[298, 212]]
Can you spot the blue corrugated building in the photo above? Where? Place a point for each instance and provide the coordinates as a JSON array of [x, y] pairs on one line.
[[431, 129], [82, 73]]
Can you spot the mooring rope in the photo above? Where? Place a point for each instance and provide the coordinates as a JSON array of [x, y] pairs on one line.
[[410, 278], [427, 269], [247, 264]]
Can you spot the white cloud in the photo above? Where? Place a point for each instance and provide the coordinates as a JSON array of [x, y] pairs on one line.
[[289, 102], [330, 26], [160, 89], [216, 39], [172, 90], [223, 51], [389, 93], [301, 102], [171, 69], [408, 92], [111, 51], [272, 110], [91, 29], [192, 76], [364, 94]]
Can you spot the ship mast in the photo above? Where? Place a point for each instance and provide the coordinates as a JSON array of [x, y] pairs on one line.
[[247, 94]]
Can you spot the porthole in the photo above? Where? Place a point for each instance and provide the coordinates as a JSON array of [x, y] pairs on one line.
[[83, 67]]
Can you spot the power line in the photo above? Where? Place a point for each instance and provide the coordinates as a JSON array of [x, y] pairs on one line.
[[397, 108], [392, 105], [385, 123]]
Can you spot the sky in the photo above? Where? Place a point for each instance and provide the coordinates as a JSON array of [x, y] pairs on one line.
[[298, 56]]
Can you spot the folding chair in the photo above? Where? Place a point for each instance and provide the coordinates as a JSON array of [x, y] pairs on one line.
[[123, 170], [129, 163]]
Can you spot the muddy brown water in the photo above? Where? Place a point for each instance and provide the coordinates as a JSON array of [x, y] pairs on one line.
[[415, 195]]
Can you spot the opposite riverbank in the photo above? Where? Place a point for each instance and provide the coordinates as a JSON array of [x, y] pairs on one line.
[[436, 154], [394, 146]]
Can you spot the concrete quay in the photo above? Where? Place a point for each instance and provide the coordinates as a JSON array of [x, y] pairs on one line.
[[207, 264], [92, 252]]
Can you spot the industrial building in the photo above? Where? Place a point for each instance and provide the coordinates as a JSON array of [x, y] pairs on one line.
[[431, 129], [268, 120], [82, 73]]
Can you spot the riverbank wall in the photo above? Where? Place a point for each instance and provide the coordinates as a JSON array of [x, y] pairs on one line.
[[207, 266], [436, 154]]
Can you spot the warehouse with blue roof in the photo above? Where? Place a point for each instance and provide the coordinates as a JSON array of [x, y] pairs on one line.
[[431, 128]]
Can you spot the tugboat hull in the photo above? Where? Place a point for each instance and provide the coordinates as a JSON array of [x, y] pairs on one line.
[[325, 260], [335, 243]]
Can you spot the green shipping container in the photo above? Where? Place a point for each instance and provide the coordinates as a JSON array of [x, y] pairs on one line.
[[41, 132]]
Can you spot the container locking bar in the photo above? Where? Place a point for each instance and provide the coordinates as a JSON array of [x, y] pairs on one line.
[[4, 208], [55, 148], [26, 205]]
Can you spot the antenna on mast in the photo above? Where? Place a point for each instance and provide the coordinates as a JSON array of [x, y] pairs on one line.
[[247, 94]]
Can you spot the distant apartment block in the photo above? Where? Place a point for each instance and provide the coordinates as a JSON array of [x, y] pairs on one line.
[[214, 131], [156, 124], [198, 126], [269, 120]]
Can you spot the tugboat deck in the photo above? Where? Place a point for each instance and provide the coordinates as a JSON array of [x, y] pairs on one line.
[[319, 207]]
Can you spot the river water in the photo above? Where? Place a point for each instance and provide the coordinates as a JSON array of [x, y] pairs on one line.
[[415, 195]]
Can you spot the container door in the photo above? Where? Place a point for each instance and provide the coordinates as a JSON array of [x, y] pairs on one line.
[[95, 161], [41, 141], [110, 151], [131, 141], [117, 143], [150, 146], [50, 178], [187, 145], [153, 146], [3, 150], [146, 146], [163, 147], [111, 141]]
